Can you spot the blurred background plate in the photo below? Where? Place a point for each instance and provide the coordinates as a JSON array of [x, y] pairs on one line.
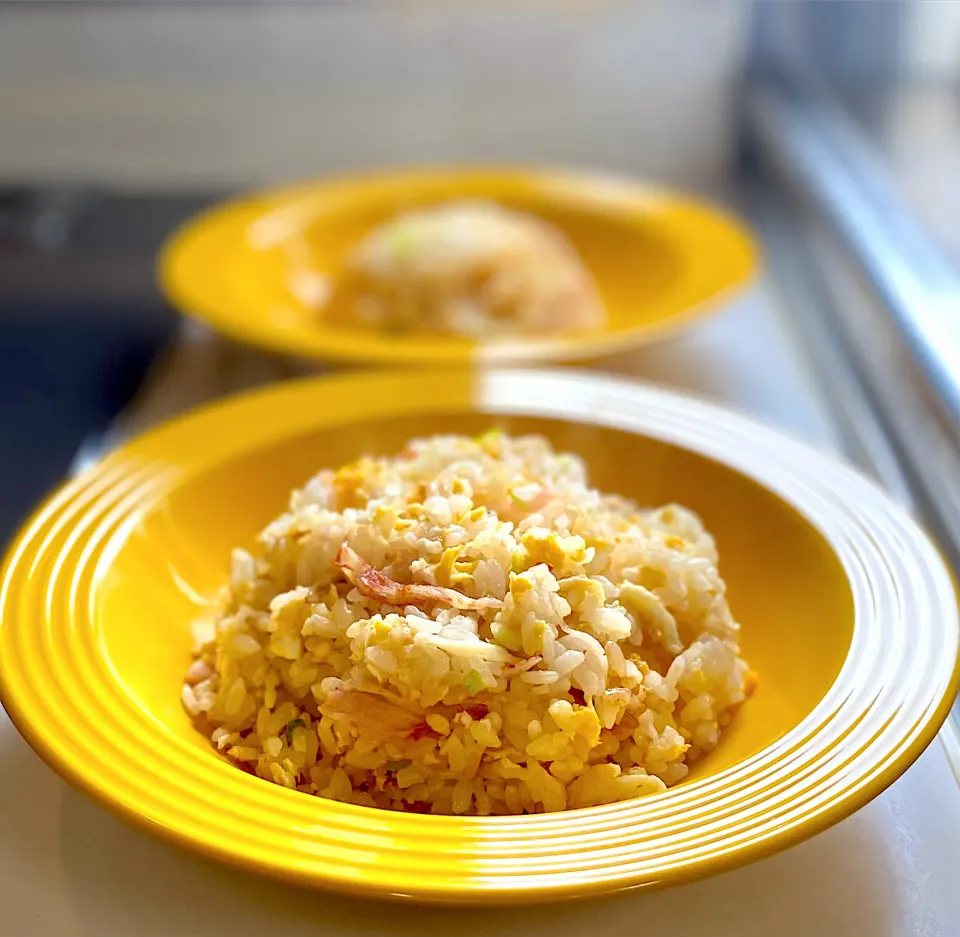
[[660, 261]]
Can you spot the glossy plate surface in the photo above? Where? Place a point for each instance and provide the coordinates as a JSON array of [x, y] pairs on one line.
[[660, 260], [849, 617]]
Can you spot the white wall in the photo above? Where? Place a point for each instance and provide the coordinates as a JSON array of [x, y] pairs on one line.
[[240, 94]]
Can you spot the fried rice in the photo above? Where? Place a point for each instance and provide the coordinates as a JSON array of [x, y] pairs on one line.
[[473, 269], [469, 628]]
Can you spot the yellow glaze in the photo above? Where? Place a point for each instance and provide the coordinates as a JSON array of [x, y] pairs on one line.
[[660, 261], [848, 614]]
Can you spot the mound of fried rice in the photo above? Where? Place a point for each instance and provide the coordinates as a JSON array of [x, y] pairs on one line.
[[469, 628], [474, 269]]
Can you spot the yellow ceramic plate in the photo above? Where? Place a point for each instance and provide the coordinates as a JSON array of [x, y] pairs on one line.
[[660, 260], [848, 615]]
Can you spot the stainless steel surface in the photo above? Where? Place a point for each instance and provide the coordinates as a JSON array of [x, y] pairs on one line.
[[820, 151], [842, 40], [886, 318], [857, 45], [896, 297], [915, 129], [816, 285], [799, 284]]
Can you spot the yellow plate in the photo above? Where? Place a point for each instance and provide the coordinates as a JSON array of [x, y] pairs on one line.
[[848, 615], [660, 261]]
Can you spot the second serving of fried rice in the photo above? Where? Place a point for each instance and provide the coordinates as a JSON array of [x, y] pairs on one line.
[[469, 628], [474, 269]]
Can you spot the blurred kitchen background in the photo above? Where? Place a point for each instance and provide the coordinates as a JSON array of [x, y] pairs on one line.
[[833, 126]]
